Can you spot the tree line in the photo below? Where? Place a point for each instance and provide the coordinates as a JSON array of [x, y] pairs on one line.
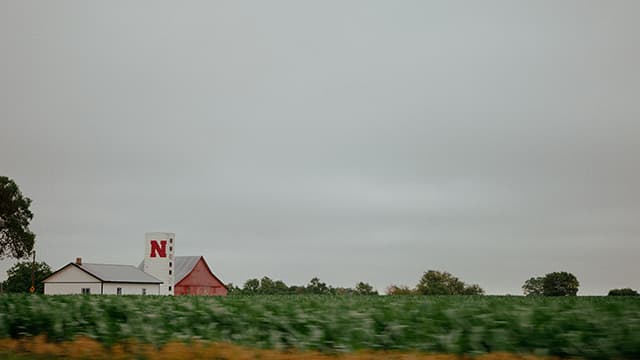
[[267, 286], [432, 282], [435, 282]]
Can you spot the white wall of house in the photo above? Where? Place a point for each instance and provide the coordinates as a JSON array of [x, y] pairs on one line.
[[71, 273], [71, 280], [64, 288], [130, 289]]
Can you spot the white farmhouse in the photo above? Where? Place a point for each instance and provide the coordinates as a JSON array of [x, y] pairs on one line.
[[79, 278]]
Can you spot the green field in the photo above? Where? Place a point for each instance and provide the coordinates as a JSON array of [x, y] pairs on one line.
[[586, 327]]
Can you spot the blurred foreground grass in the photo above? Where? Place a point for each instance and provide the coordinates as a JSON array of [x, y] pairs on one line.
[[583, 327]]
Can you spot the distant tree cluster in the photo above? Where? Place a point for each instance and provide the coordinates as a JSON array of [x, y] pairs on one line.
[[533, 286], [553, 284], [267, 286], [623, 292], [432, 283], [435, 282], [400, 290], [19, 277]]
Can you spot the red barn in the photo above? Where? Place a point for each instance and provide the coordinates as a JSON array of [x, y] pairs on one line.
[[194, 277]]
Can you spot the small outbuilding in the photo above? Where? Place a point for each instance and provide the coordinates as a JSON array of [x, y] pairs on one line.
[[79, 278], [194, 277]]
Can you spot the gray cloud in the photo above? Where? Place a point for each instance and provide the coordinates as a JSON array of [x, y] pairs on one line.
[[351, 141]]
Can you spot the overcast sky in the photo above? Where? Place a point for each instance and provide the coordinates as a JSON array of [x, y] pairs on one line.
[[349, 140]]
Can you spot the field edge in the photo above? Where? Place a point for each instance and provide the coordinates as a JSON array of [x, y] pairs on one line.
[[83, 347]]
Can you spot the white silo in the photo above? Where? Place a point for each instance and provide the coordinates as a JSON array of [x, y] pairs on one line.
[[159, 259]]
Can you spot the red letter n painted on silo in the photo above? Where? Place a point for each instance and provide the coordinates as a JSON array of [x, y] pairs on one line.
[[159, 250]]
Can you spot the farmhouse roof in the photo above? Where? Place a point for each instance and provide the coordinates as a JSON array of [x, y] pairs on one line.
[[118, 273], [113, 273]]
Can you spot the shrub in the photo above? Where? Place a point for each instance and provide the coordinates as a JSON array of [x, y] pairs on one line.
[[560, 284], [623, 292]]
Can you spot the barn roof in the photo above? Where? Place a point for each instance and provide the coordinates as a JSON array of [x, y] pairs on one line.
[[184, 265], [118, 273]]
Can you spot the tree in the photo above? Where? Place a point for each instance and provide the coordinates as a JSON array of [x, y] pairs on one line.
[[623, 292], [251, 287], [534, 286], [439, 283], [363, 288], [19, 277], [474, 289], [400, 290], [279, 287], [343, 291], [317, 287], [297, 289], [233, 289], [560, 284], [16, 240], [266, 286], [443, 283]]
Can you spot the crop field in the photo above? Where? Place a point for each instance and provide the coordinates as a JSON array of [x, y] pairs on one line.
[[578, 327]]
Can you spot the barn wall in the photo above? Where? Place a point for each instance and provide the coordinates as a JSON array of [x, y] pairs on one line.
[[59, 288], [131, 289], [201, 290], [200, 282]]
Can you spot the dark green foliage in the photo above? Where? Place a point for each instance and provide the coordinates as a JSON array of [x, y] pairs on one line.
[[19, 277], [560, 284], [251, 287], [16, 240], [267, 286], [233, 289], [344, 291], [534, 286], [552, 284], [623, 292], [363, 288], [443, 283], [317, 287], [400, 290], [567, 327], [474, 289]]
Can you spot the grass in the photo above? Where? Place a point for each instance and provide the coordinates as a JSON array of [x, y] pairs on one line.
[[585, 327]]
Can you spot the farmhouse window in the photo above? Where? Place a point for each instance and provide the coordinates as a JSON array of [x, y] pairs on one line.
[[119, 291], [86, 291], [144, 291]]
